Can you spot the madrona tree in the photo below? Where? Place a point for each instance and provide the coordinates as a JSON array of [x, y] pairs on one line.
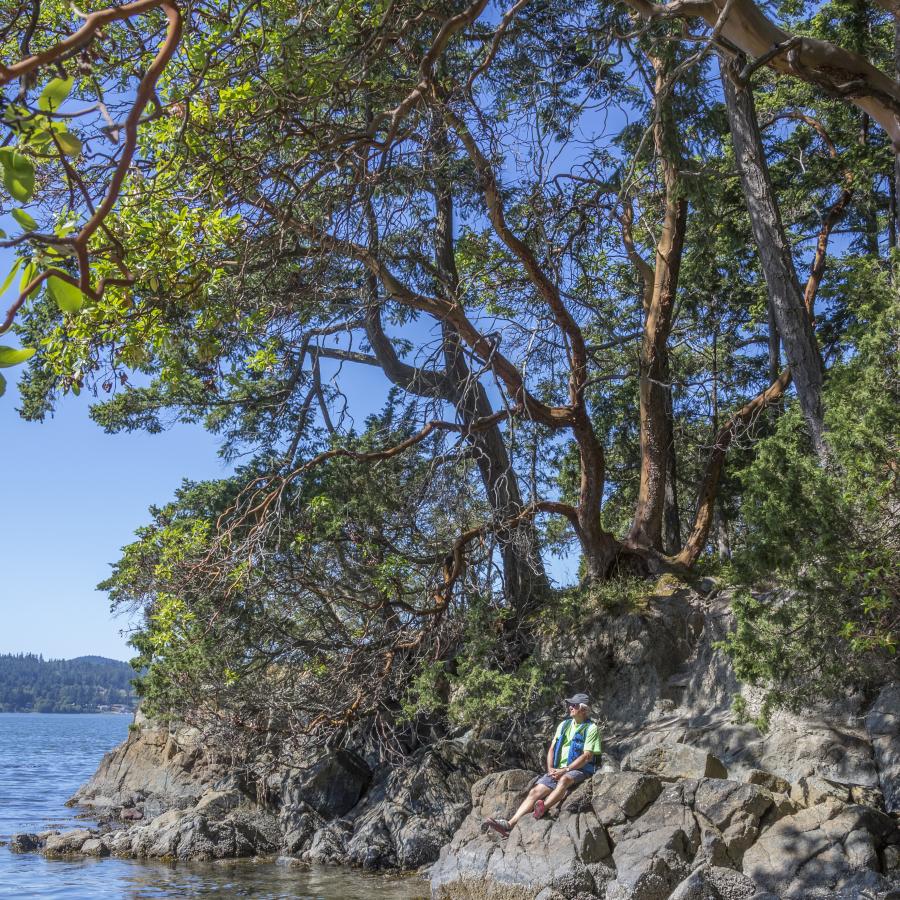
[[581, 245]]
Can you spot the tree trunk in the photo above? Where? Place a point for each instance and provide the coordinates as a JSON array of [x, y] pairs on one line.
[[656, 433], [723, 542], [525, 580], [671, 510], [598, 546], [783, 286], [774, 346]]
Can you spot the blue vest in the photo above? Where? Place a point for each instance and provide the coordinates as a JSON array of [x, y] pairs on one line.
[[576, 747]]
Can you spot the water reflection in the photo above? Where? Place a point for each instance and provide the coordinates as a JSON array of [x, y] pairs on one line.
[[264, 880]]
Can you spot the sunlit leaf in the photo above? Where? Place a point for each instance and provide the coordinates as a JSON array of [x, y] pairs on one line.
[[18, 174], [70, 144], [28, 274], [54, 94], [68, 297], [11, 356], [24, 219], [2, 385], [12, 274]]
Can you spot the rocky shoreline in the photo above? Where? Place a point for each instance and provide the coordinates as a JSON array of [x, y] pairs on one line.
[[640, 836], [688, 804]]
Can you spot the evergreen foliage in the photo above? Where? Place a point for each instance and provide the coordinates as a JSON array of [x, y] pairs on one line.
[[29, 683]]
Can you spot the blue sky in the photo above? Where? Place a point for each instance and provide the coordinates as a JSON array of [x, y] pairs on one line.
[[72, 497]]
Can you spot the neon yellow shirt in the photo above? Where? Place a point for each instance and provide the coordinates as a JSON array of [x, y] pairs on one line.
[[591, 739]]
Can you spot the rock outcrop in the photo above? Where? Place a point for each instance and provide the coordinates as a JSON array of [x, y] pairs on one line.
[[160, 798], [631, 836], [687, 803], [155, 769], [661, 678], [410, 811]]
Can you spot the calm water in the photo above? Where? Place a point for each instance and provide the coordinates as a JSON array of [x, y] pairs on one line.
[[44, 758]]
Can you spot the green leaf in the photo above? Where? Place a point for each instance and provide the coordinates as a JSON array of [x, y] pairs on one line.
[[39, 138], [10, 356], [28, 274], [24, 219], [68, 297], [2, 385], [54, 94], [12, 274], [18, 174], [70, 144]]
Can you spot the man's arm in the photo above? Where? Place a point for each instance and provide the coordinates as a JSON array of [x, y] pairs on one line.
[[579, 762], [550, 769]]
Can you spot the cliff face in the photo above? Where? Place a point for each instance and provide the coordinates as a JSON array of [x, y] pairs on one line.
[[663, 693], [659, 677]]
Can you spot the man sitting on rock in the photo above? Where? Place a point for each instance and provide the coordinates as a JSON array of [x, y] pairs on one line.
[[571, 758]]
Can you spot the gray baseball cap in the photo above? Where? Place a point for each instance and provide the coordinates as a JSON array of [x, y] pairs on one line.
[[581, 699]]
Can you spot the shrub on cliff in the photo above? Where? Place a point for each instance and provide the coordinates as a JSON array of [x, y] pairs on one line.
[[826, 540]]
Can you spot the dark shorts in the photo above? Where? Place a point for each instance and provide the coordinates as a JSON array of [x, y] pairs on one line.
[[576, 776]]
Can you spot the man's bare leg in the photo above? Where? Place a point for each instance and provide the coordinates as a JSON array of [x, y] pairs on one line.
[[557, 794], [538, 792]]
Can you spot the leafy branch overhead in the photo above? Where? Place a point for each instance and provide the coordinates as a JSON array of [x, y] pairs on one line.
[[41, 150]]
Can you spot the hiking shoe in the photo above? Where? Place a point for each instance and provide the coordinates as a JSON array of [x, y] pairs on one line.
[[539, 809], [501, 826]]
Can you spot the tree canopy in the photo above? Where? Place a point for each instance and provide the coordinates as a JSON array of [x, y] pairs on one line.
[[624, 276]]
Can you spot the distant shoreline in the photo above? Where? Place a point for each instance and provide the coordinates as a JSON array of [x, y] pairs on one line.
[[68, 712]]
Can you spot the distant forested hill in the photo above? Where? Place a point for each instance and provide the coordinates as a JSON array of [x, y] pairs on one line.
[[29, 683]]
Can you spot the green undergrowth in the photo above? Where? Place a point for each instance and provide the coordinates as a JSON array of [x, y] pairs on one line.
[[479, 685], [617, 597]]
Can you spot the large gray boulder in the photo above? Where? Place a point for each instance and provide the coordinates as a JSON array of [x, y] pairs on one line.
[[883, 726], [328, 845], [654, 852], [569, 855], [156, 768], [673, 760], [715, 883], [332, 786], [731, 817], [768, 780], [809, 791], [67, 843], [189, 835], [414, 809], [308, 798], [298, 824], [617, 799], [826, 850]]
